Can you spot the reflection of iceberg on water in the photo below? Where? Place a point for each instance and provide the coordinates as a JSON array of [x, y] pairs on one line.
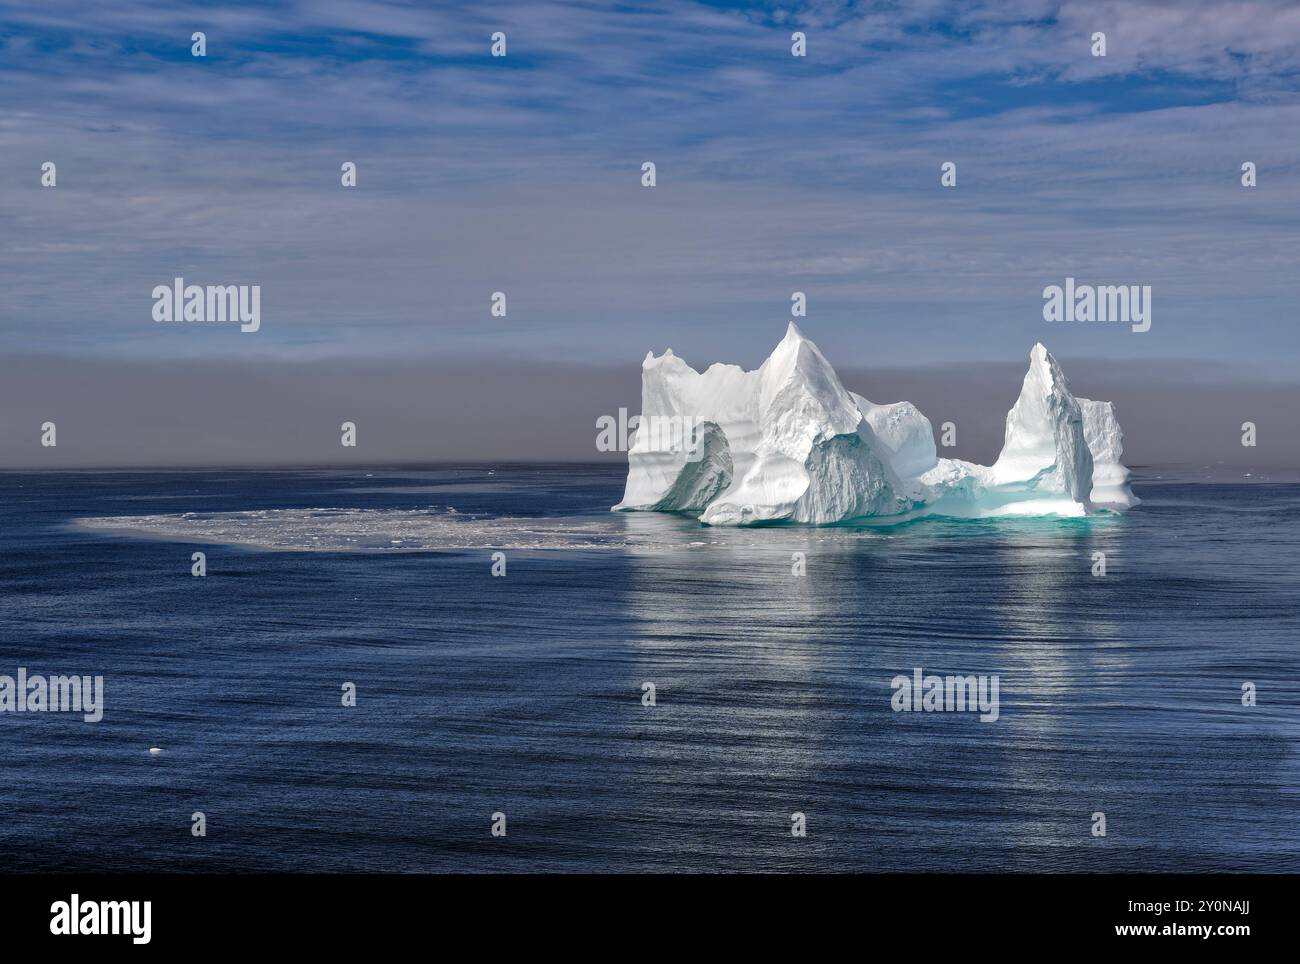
[[789, 443]]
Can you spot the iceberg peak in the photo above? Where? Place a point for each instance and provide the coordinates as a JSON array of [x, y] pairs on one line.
[[788, 442], [1044, 447]]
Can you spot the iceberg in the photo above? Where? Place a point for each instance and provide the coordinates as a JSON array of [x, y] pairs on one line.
[[788, 443], [1105, 440], [1045, 458]]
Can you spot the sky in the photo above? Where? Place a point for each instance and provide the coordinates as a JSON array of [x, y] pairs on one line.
[[522, 174]]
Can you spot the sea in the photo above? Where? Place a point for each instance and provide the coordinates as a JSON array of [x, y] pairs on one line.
[[480, 668]]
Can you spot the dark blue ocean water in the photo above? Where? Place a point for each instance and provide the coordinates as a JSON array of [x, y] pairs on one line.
[[522, 694]]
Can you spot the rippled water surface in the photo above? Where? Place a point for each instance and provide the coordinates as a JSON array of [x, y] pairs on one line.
[[1119, 694]]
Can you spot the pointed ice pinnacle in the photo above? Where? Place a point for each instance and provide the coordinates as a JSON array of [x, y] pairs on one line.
[[788, 443], [1044, 446]]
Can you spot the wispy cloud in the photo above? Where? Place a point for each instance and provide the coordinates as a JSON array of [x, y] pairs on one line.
[[480, 174]]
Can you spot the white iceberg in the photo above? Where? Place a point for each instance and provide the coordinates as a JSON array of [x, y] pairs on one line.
[[1045, 458], [788, 443], [1105, 441]]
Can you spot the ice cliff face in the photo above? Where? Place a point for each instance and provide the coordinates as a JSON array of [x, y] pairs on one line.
[[1106, 443], [788, 443]]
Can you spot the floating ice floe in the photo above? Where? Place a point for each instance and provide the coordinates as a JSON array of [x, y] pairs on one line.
[[789, 443]]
